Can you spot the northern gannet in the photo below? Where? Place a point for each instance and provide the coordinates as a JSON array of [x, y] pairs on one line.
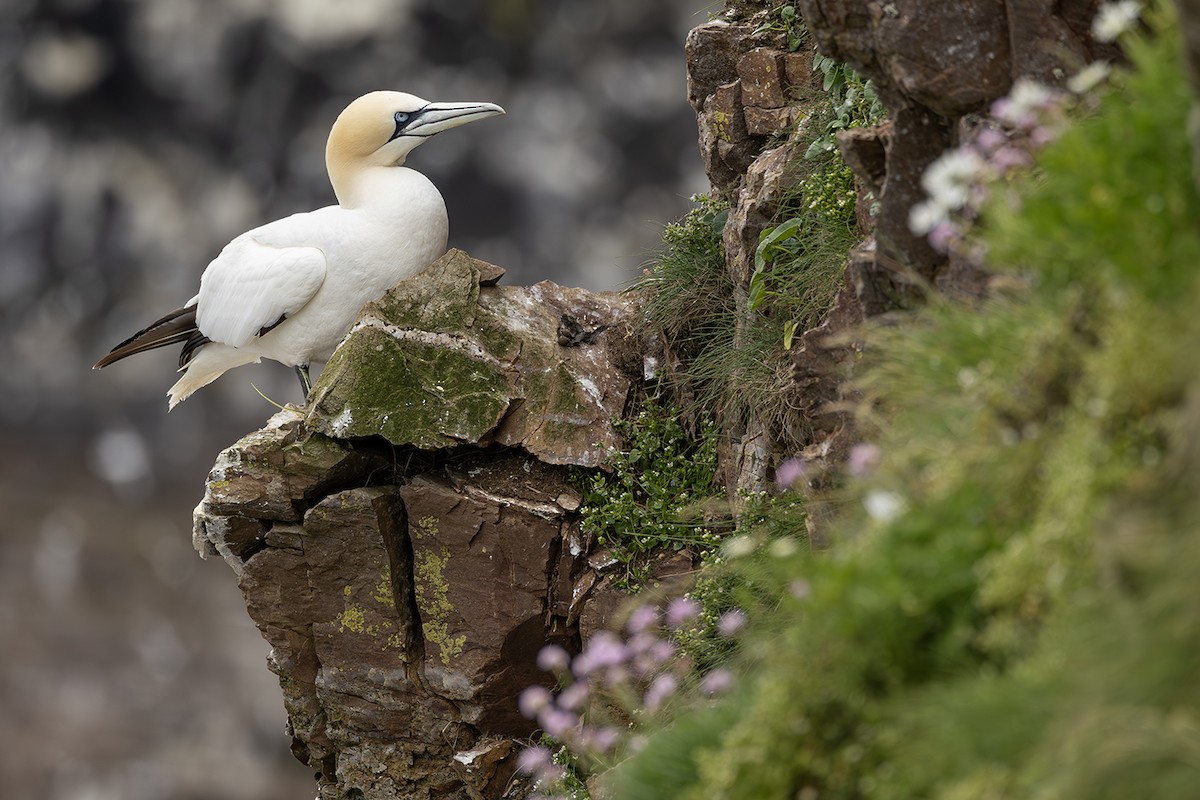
[[291, 289]]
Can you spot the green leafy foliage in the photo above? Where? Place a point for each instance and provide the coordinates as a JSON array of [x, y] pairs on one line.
[[784, 19], [1022, 623], [853, 102], [654, 498]]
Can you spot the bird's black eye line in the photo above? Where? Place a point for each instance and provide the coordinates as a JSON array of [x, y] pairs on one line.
[[403, 120]]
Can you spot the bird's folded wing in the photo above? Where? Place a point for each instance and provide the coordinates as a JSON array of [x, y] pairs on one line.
[[252, 286]]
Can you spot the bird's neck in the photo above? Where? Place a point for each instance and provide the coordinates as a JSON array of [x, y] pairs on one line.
[[358, 185]]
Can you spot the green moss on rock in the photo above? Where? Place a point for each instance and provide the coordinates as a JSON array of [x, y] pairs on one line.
[[441, 360]]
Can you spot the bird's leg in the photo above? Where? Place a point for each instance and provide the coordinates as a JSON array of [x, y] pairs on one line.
[[305, 382]]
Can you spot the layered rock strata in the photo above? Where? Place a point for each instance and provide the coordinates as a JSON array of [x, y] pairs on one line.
[[409, 542]]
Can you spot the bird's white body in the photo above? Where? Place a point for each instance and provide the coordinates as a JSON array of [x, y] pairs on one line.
[[318, 268], [290, 290]]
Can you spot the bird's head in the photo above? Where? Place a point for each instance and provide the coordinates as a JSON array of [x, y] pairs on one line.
[[382, 128]]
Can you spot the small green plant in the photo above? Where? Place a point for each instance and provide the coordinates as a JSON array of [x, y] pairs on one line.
[[649, 503], [1008, 604], [853, 101], [786, 21]]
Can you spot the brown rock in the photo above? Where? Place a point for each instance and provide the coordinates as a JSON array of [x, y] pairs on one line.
[[712, 52], [406, 590], [761, 73], [798, 75], [769, 121], [726, 145], [865, 151], [442, 361]]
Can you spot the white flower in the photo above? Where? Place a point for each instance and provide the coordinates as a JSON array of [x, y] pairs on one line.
[[883, 506], [1089, 77], [1022, 104], [948, 179], [1115, 19], [740, 546], [925, 216]]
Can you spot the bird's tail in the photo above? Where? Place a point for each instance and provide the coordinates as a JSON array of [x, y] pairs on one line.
[[205, 366], [178, 327]]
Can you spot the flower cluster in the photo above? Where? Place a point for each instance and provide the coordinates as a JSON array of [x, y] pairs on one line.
[[1019, 125], [614, 685], [1115, 19], [956, 184]]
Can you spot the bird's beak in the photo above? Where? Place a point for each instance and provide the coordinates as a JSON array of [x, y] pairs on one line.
[[438, 117]]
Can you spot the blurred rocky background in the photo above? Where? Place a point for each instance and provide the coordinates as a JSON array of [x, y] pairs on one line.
[[136, 138]]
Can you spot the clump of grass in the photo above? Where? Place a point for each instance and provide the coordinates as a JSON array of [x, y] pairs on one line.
[[1018, 618], [687, 289]]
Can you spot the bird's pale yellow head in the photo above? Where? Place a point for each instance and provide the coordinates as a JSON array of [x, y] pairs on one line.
[[380, 129]]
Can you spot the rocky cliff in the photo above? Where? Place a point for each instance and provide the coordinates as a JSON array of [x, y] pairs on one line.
[[409, 541]]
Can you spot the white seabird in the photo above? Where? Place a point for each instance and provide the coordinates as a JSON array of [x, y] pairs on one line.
[[290, 290]]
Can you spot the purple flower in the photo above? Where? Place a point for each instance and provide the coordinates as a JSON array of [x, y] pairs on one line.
[[681, 611], [718, 681], [643, 642], [1041, 136], [533, 700], [533, 760], [731, 622], [642, 618], [602, 651], [660, 689], [790, 471], [865, 457], [553, 658], [1010, 158], [602, 740], [663, 651], [942, 236], [573, 696], [556, 721], [990, 140], [616, 676]]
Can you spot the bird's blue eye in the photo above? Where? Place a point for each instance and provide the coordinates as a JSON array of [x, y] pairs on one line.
[[402, 117]]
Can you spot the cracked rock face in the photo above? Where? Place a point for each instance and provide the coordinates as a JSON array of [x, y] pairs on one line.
[[409, 544]]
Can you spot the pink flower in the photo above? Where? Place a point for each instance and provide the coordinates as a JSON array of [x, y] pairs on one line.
[[718, 681], [663, 651], [731, 622], [533, 760], [556, 721], [1010, 158], [601, 740], [574, 696], [790, 471], [660, 689], [990, 140], [865, 457], [533, 700], [553, 658], [681, 611], [642, 618], [602, 651], [940, 239], [643, 642]]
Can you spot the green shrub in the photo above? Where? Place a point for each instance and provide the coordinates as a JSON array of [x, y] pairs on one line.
[[1018, 619], [654, 499]]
